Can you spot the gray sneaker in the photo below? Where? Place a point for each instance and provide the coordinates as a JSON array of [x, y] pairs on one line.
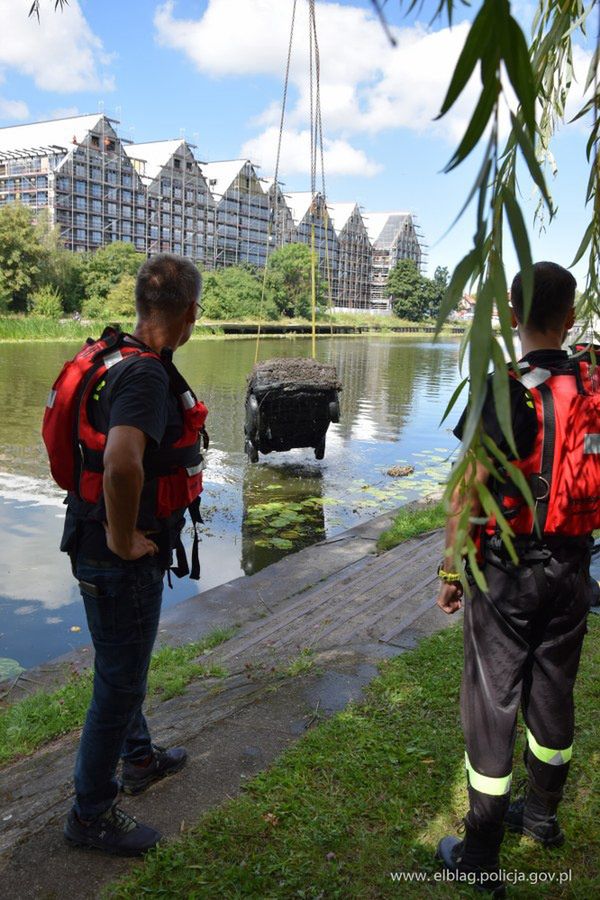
[[136, 779], [115, 831]]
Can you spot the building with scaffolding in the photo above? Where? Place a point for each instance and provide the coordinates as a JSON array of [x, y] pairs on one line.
[[241, 213], [354, 258], [78, 169], [99, 188], [281, 222], [310, 213], [180, 207], [394, 236]]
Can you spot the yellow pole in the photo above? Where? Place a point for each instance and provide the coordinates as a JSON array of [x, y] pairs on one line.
[[313, 279]]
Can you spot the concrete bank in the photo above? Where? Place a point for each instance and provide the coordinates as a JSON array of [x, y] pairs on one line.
[[337, 607]]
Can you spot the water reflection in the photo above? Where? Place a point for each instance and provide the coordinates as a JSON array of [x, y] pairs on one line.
[[283, 511]]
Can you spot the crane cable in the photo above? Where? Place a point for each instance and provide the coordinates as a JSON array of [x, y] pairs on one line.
[[273, 221], [319, 138], [316, 149]]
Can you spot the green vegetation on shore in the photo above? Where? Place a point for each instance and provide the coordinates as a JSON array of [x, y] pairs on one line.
[[370, 792], [30, 328], [42, 282], [411, 521], [35, 720]]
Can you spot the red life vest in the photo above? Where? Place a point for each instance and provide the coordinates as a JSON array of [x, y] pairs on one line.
[[563, 469], [76, 448]]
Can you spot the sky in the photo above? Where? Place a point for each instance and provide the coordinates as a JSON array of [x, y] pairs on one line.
[[212, 71]]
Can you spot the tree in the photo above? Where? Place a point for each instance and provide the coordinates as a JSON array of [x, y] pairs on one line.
[[104, 269], [59, 268], [415, 297], [235, 293], [439, 286], [21, 255], [289, 281]]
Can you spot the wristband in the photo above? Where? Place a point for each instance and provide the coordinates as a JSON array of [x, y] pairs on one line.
[[448, 577]]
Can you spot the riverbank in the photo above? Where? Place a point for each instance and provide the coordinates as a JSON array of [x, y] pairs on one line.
[[15, 329], [311, 632]]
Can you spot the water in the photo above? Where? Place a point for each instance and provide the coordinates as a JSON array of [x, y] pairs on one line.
[[394, 392]]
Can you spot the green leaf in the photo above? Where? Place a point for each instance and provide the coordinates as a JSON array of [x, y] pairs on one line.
[[502, 395], [465, 268], [533, 165], [520, 73], [479, 120], [472, 50], [474, 566], [511, 470], [585, 242], [518, 230], [457, 392]]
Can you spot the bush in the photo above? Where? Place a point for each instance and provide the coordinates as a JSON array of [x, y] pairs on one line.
[[94, 308], [121, 298], [46, 302]]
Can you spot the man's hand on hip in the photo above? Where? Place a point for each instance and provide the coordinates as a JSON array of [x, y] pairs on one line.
[[450, 597], [139, 546]]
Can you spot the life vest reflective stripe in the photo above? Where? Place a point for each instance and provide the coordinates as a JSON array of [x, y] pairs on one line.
[[563, 469], [75, 447]]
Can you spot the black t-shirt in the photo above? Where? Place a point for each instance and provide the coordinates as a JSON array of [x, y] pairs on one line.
[[134, 393], [524, 418]]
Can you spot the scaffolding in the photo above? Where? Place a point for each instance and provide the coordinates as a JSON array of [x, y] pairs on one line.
[[394, 236], [241, 213], [308, 212], [180, 207], [355, 257], [85, 180]]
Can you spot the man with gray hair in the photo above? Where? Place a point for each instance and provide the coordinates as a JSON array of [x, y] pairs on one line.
[[140, 435]]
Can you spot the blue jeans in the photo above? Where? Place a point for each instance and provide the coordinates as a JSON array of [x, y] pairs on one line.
[[122, 605]]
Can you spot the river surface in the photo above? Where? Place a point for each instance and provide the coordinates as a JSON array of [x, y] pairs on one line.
[[395, 390]]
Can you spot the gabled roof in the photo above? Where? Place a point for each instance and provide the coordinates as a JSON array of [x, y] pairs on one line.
[[299, 203], [155, 154], [383, 227], [223, 174], [54, 133], [339, 213]]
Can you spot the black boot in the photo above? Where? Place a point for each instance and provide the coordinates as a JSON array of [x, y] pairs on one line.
[[475, 859], [534, 814]]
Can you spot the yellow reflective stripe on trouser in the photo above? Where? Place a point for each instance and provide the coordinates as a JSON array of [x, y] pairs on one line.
[[485, 784], [547, 754]]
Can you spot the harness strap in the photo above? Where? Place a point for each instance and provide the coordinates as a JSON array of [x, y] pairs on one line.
[[182, 568], [549, 440]]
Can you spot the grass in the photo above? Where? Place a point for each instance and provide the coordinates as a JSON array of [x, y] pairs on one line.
[[410, 522], [370, 792], [31, 328], [32, 722]]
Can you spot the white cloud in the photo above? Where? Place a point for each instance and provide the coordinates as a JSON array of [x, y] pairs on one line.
[[61, 53], [64, 112], [341, 158], [13, 109], [367, 86]]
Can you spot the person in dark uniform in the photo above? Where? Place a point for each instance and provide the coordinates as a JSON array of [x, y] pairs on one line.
[[523, 636], [120, 548]]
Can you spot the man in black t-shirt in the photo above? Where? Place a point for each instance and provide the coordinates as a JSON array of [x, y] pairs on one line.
[[119, 551], [523, 636]]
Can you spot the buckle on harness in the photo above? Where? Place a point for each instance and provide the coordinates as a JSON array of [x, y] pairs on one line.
[[538, 481]]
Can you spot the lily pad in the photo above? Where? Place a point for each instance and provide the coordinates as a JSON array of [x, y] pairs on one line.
[[9, 668]]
